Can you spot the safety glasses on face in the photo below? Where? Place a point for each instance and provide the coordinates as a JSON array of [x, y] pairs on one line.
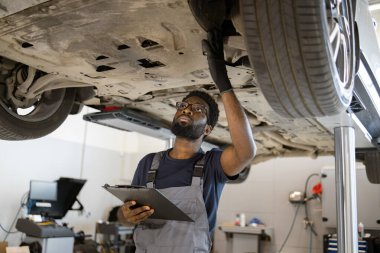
[[198, 108]]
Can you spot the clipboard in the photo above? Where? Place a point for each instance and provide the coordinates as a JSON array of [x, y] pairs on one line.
[[163, 207]]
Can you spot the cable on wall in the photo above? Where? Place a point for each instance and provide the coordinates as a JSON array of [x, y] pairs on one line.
[[299, 198], [291, 228], [9, 231], [6, 231], [307, 220]]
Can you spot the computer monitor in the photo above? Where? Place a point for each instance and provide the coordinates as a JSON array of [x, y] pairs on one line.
[[43, 190], [67, 192]]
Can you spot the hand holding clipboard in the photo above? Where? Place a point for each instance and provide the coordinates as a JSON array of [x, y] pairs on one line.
[[143, 196]]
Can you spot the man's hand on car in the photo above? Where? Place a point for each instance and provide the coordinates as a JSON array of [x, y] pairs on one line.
[[213, 48]]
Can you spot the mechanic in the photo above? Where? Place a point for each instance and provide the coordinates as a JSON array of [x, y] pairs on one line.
[[191, 179]]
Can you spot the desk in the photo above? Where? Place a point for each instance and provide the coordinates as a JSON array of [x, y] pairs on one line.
[[245, 239]]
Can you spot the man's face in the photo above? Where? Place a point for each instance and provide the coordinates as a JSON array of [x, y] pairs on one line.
[[190, 119]]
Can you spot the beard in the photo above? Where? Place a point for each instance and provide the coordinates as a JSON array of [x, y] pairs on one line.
[[190, 132]]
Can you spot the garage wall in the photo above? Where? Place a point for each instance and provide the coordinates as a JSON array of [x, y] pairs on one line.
[[77, 149], [103, 155], [265, 195]]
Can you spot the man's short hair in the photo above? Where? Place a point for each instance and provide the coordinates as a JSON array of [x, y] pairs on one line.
[[213, 113]]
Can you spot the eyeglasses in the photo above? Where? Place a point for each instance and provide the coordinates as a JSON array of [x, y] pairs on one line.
[[198, 108]]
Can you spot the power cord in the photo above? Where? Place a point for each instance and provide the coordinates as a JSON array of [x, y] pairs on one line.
[[13, 222], [291, 228], [8, 231], [307, 220], [308, 223]]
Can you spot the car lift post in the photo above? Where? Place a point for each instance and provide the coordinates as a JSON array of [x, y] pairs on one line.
[[345, 182]]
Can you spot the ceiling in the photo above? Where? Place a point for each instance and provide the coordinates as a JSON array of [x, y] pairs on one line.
[[373, 2]]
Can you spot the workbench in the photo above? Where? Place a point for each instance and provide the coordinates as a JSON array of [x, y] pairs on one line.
[[245, 239]]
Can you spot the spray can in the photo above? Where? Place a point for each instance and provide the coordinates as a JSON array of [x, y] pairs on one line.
[[361, 230], [242, 220], [237, 220]]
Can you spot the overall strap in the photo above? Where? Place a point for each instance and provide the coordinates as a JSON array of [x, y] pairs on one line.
[[150, 183], [198, 167], [198, 171]]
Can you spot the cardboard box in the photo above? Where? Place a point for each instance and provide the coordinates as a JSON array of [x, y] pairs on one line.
[[23, 249], [3, 246]]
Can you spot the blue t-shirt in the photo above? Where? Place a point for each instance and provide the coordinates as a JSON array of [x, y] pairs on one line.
[[178, 172]]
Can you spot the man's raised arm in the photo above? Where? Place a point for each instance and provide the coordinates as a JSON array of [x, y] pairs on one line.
[[243, 149]]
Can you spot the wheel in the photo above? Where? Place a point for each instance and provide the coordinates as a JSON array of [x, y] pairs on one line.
[[303, 54], [371, 161], [372, 166], [46, 115]]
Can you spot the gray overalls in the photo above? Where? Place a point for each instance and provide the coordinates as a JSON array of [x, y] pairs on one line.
[[161, 236]]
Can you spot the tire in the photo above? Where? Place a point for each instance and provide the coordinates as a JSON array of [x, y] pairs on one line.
[[370, 157], [48, 114], [288, 44], [372, 166]]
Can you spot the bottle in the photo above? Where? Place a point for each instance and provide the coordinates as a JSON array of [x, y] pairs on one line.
[[24, 211], [361, 230], [237, 220], [242, 220]]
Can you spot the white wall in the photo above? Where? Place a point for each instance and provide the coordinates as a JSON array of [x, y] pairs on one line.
[[77, 149], [265, 195]]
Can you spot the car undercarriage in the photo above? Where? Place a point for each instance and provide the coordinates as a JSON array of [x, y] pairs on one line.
[[144, 56]]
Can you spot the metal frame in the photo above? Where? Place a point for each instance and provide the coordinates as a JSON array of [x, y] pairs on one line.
[[345, 182]]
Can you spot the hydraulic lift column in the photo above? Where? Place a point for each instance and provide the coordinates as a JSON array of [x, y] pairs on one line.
[[345, 182]]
